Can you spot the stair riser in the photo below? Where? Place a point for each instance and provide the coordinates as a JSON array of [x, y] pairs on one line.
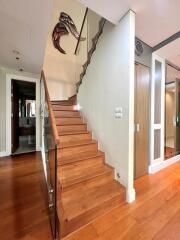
[[69, 151], [104, 177], [72, 121], [60, 102], [64, 103], [75, 137], [72, 128], [62, 107], [91, 162], [88, 216], [66, 114], [94, 160]]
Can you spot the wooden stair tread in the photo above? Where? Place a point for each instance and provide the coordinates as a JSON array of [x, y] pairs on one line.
[[69, 121], [72, 133], [67, 116], [81, 156], [69, 124], [83, 198], [76, 143], [77, 173], [65, 110]]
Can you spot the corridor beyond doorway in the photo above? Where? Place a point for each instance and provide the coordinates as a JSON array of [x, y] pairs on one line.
[[23, 102]]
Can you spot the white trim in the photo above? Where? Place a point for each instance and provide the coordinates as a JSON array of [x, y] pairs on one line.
[[130, 195], [3, 154], [159, 126], [9, 77], [163, 164], [130, 191]]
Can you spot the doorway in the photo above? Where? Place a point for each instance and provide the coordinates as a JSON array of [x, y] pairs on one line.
[[141, 151], [23, 116], [172, 119]]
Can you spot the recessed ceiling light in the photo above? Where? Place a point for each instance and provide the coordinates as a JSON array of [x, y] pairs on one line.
[[16, 52]]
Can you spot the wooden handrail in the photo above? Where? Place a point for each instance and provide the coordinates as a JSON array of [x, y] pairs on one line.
[[51, 113], [80, 34]]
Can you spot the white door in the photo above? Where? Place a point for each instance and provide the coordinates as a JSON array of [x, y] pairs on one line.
[[157, 110]]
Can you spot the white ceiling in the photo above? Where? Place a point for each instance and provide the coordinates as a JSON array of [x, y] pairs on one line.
[[24, 28], [156, 20], [171, 52]]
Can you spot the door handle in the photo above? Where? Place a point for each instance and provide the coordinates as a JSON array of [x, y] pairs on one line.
[[137, 127], [177, 119], [174, 121]]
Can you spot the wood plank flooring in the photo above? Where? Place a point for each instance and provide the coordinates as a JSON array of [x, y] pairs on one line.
[[23, 213], [154, 215]]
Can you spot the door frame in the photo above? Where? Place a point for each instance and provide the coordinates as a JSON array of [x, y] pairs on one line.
[[159, 126], [9, 78]]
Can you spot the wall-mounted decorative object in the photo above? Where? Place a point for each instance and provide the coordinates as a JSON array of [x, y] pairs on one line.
[[138, 47], [61, 28]]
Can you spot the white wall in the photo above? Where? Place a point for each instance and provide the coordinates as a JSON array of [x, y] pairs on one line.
[[108, 84], [60, 90], [60, 69]]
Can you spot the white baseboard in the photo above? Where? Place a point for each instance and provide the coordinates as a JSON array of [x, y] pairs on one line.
[[4, 154], [130, 195], [153, 168]]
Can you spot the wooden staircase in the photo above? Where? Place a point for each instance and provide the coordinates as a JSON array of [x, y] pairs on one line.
[[86, 185]]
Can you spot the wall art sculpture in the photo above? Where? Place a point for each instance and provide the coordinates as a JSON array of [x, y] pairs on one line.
[[65, 23]]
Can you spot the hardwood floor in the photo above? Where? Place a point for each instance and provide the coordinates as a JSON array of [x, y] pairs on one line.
[[23, 213], [154, 215]]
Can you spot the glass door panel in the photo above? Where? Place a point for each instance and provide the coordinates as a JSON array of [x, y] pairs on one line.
[[177, 120]]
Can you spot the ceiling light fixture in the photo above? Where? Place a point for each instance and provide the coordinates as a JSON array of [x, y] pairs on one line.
[[16, 52]]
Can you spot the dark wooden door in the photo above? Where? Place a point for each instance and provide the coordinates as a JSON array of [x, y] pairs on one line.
[[14, 116], [142, 76]]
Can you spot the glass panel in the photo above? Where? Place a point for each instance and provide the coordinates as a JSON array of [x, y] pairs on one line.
[[49, 149], [81, 53], [177, 120], [157, 91], [87, 44], [157, 143], [169, 120]]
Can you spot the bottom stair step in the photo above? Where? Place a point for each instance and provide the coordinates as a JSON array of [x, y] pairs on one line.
[[69, 175], [86, 202]]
